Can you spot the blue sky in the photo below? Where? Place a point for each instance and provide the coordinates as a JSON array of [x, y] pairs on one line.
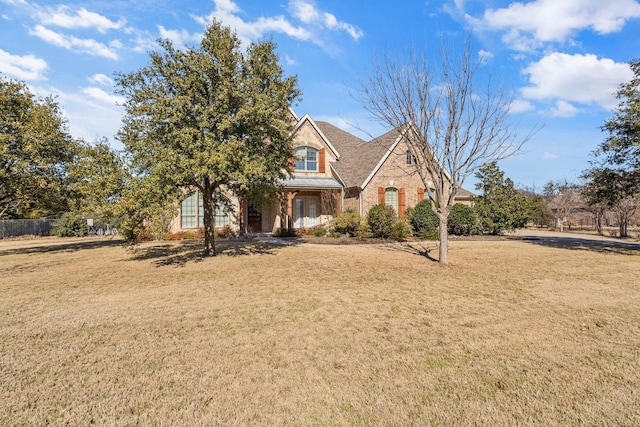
[[561, 59]]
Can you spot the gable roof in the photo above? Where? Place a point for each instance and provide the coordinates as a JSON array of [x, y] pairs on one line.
[[327, 141], [357, 157], [360, 160]]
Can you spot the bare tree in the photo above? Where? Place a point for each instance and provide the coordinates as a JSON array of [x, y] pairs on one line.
[[453, 118], [564, 198]]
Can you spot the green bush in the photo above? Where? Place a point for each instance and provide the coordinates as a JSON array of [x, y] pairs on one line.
[[462, 220], [70, 225], [285, 232], [319, 232], [347, 222], [400, 230], [381, 219], [423, 220], [364, 231]]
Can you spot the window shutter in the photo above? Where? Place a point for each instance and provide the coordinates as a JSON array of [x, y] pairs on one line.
[[420, 194], [402, 204], [321, 167], [381, 195]]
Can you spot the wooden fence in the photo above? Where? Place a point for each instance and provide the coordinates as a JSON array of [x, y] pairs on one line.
[[22, 227]]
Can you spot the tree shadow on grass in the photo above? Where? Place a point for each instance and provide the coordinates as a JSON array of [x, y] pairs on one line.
[[422, 249], [585, 244], [54, 246], [180, 253]]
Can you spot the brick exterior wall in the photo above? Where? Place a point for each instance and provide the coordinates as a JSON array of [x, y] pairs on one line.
[[394, 173]]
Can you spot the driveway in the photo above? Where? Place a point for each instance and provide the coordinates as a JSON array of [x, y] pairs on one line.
[[577, 241]]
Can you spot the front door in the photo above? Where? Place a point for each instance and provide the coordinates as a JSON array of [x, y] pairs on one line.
[[254, 219]]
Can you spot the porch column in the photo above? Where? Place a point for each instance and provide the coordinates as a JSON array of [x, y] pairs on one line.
[[290, 197]]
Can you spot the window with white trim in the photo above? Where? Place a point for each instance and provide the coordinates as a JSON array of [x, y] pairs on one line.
[[409, 158], [391, 197], [306, 159], [192, 212], [305, 212]]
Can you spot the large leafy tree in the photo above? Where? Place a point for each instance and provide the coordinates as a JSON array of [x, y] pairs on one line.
[[613, 181], [499, 206], [621, 148], [35, 151], [454, 118], [211, 117], [98, 176]]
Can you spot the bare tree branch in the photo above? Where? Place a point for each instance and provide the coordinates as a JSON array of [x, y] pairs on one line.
[[452, 122]]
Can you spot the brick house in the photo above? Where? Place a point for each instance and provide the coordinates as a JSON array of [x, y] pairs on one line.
[[332, 170]]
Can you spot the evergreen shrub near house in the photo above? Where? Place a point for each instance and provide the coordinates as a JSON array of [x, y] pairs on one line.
[[381, 220], [423, 220], [319, 232], [364, 231], [347, 222], [462, 220], [400, 230], [70, 225]]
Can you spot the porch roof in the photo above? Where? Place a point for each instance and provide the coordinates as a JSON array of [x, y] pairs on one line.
[[311, 183]]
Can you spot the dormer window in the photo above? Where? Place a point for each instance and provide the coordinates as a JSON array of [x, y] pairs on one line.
[[306, 159]]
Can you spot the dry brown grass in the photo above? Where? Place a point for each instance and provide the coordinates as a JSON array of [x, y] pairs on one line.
[[511, 333]]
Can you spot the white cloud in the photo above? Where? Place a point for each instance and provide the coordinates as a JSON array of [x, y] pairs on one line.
[[90, 46], [229, 13], [101, 79], [576, 78], [485, 55], [226, 12], [27, 67], [520, 106], [547, 155], [530, 25], [179, 38], [289, 60], [309, 14], [102, 96], [563, 109], [82, 18]]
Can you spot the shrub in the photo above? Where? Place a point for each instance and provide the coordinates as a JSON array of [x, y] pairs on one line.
[[285, 232], [225, 232], [347, 222], [423, 220], [319, 232], [70, 225], [462, 220], [400, 230], [381, 219], [364, 231]]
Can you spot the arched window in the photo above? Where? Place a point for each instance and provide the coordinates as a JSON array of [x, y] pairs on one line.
[[306, 159], [391, 197]]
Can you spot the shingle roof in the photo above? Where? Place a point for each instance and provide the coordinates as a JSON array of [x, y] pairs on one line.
[[358, 158]]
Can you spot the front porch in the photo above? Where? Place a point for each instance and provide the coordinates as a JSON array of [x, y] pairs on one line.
[[303, 203]]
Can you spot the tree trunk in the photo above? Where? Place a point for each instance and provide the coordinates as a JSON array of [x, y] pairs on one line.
[[209, 232], [623, 227], [599, 223], [443, 253], [242, 215]]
